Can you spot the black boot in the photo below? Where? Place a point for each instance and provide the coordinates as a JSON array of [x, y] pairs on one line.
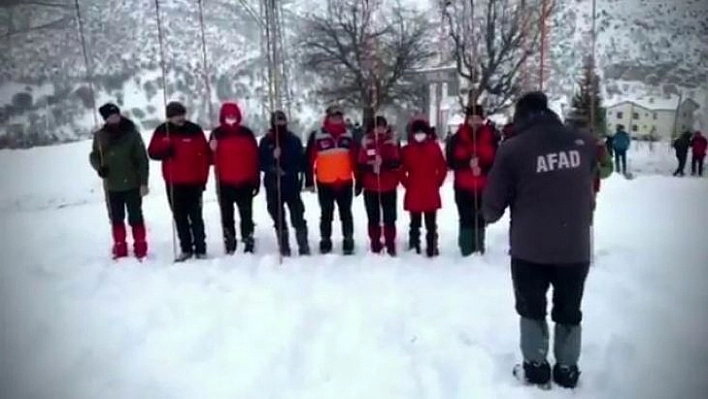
[[230, 245], [348, 246], [414, 240], [566, 376], [536, 373], [284, 242], [325, 246], [249, 244], [479, 236], [431, 247], [302, 241]]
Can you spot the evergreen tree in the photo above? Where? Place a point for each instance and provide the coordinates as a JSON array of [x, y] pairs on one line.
[[582, 103]]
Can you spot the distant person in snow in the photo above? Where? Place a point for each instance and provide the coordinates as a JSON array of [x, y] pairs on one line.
[[681, 146], [182, 148], [331, 162], [235, 154], [282, 154], [698, 153], [470, 154], [423, 172], [118, 155], [620, 144], [379, 161], [544, 176]]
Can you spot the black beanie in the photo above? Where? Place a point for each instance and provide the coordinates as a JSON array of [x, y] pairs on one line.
[[472, 110], [531, 103], [380, 121], [420, 126], [334, 110], [108, 109], [276, 116], [175, 109]]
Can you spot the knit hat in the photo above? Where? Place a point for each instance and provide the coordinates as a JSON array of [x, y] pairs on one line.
[[175, 109], [278, 116], [334, 110], [108, 109], [380, 121], [474, 110], [420, 126], [530, 103]]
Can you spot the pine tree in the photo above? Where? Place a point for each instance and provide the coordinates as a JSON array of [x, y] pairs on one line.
[[582, 103]]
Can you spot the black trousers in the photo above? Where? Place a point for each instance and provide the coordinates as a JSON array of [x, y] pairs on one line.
[[697, 165], [431, 224], [531, 283], [119, 201], [242, 196], [469, 209], [681, 164], [328, 196], [621, 161], [276, 209], [381, 204], [186, 204]]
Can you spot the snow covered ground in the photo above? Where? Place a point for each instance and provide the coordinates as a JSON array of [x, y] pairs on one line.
[[76, 325]]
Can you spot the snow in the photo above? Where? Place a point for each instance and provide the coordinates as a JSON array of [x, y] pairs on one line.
[[76, 325]]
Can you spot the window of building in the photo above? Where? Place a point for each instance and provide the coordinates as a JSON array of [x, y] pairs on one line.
[[635, 128], [635, 115], [620, 115], [654, 115]]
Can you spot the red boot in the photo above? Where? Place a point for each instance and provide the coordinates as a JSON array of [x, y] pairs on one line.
[[390, 239], [140, 246], [375, 238], [120, 248]]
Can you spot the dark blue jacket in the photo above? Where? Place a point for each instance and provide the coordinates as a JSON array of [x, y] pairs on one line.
[[621, 141], [292, 163]]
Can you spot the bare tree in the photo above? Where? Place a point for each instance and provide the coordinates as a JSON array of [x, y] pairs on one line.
[[13, 28], [363, 59], [493, 39]]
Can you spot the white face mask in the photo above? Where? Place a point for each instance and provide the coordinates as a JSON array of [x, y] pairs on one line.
[[419, 137], [231, 121]]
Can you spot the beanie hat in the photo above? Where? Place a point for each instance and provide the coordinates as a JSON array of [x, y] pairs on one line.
[[108, 109], [380, 121], [420, 126], [334, 110], [175, 109], [474, 110], [278, 116], [530, 103]]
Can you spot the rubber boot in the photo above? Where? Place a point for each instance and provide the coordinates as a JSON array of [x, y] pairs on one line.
[[431, 248], [390, 239], [140, 246], [375, 238], [414, 240], [120, 248]]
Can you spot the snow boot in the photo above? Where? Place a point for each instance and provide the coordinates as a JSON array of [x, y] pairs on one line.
[[348, 245], [375, 238], [414, 240], [431, 247], [534, 373], [249, 244], [140, 246], [120, 248], [390, 239], [465, 241], [201, 256], [325, 246], [283, 242], [566, 376], [183, 256], [302, 242], [230, 244]]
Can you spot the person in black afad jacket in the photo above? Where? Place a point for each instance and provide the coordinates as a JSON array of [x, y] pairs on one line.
[[281, 154], [545, 176]]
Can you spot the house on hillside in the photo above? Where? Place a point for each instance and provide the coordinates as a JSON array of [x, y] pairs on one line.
[[658, 117]]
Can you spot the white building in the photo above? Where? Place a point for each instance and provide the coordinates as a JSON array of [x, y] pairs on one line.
[[658, 117]]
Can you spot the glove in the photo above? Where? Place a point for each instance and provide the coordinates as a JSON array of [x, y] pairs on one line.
[[103, 172], [358, 188], [255, 189], [144, 190]]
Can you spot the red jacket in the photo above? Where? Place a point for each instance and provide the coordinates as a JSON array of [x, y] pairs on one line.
[[423, 172], [235, 150], [386, 147], [462, 148], [698, 145], [184, 153]]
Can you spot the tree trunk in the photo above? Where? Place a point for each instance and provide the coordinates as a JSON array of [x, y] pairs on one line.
[[367, 122]]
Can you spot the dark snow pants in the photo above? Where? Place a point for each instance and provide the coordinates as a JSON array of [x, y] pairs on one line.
[[296, 208], [242, 196], [621, 161], [472, 224], [682, 158], [119, 201], [531, 282], [381, 207], [329, 195], [186, 204], [697, 165]]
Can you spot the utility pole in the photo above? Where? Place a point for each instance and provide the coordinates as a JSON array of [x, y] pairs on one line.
[[273, 49]]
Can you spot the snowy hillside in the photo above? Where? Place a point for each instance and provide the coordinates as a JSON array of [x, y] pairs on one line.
[[76, 325], [44, 95]]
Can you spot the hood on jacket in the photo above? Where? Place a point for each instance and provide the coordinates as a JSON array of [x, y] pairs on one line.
[[230, 110], [419, 125]]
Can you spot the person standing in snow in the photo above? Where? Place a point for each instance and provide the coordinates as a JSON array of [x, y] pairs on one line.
[[423, 172], [282, 154], [544, 176], [182, 148], [118, 155], [331, 160], [698, 153], [379, 160], [235, 154], [470, 154], [620, 145], [681, 146]]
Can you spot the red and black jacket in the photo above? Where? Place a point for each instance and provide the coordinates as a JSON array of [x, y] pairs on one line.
[[462, 147], [184, 153], [236, 152]]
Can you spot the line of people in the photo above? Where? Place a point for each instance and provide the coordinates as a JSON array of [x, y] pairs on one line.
[[332, 163], [695, 142]]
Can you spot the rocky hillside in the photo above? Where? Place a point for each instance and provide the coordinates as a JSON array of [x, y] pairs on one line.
[[44, 94]]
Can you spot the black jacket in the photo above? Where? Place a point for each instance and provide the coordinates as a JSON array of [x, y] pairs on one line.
[[545, 176]]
